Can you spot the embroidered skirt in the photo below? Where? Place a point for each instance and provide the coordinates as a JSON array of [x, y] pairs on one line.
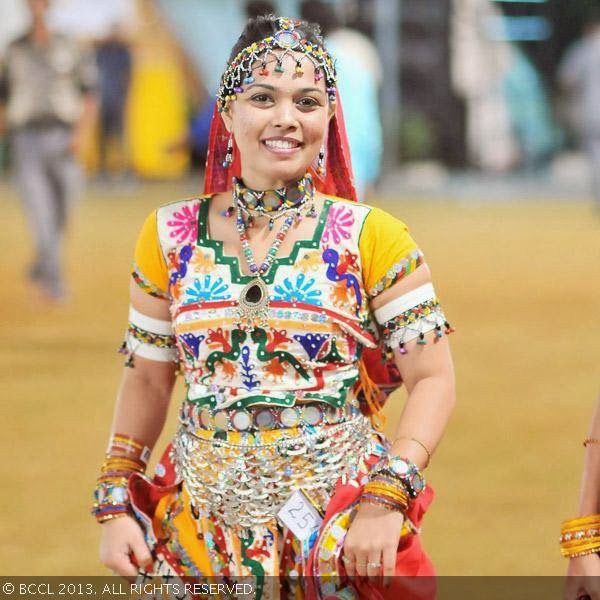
[[190, 523]]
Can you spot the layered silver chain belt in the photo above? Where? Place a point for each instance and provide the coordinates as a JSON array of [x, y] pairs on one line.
[[246, 484]]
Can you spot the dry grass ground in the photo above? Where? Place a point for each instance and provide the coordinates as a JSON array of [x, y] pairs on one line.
[[520, 281]]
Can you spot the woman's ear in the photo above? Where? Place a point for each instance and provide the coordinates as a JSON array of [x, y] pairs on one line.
[[227, 121], [330, 111]]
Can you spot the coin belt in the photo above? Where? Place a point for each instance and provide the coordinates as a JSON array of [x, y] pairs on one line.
[[262, 418], [244, 485]]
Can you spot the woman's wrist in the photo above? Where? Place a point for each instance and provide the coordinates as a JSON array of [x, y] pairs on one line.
[[580, 536], [125, 456], [393, 484]]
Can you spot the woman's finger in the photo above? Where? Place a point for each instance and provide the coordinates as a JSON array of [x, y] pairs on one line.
[[374, 565], [361, 564], [141, 553], [389, 563], [349, 565]]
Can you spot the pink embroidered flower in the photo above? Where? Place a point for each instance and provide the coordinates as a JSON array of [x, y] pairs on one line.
[[184, 224], [339, 221]]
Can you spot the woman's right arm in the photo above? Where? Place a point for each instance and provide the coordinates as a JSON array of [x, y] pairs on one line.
[[140, 412]]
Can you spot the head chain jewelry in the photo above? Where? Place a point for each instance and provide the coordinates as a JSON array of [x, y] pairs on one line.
[[286, 38]]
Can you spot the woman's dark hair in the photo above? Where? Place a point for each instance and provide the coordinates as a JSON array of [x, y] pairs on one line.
[[255, 8], [262, 26]]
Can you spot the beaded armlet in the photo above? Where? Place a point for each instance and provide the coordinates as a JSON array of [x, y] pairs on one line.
[[410, 317], [148, 338]]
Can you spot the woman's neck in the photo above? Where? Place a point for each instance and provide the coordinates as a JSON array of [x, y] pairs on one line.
[[257, 182]]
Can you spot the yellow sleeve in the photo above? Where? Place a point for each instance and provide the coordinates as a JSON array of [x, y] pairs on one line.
[[387, 251], [149, 266]]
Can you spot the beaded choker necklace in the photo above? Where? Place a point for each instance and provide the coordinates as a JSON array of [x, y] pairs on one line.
[[288, 203], [272, 204]]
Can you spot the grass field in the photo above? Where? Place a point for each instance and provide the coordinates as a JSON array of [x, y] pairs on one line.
[[520, 281]]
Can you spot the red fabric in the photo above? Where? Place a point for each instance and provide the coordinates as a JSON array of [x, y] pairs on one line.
[[337, 181], [414, 576]]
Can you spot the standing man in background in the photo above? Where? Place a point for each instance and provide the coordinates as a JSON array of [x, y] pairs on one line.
[[579, 74], [46, 102]]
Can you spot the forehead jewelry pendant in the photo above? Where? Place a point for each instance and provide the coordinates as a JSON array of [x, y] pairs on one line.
[[254, 301]]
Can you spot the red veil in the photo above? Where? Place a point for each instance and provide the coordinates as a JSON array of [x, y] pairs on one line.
[[337, 181]]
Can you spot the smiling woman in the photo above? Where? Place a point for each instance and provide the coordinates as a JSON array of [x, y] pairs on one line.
[[276, 295]]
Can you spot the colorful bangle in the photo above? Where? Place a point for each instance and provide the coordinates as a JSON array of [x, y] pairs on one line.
[[404, 471], [580, 536], [111, 497], [124, 445]]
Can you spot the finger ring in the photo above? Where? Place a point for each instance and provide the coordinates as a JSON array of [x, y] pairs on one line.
[[347, 560], [374, 565]]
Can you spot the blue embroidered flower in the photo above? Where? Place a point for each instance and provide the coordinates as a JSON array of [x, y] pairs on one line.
[[299, 291], [205, 290]]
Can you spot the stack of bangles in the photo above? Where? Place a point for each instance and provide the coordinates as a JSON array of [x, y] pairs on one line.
[[393, 484], [580, 536], [124, 456]]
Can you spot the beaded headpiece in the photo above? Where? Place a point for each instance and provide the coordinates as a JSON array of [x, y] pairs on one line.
[[286, 38]]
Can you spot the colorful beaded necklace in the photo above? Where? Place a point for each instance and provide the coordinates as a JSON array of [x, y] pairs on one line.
[[288, 203]]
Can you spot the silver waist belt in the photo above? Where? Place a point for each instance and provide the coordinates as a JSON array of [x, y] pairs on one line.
[[244, 485]]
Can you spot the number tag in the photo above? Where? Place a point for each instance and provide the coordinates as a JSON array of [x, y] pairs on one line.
[[300, 516]]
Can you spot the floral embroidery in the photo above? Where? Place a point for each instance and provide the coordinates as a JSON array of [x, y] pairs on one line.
[[206, 289], [339, 222], [202, 261], [310, 261], [184, 224], [299, 291], [339, 295]]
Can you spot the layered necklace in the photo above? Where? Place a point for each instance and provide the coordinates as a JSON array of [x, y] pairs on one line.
[[290, 204]]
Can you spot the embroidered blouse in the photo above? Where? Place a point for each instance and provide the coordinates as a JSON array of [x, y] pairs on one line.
[[319, 317]]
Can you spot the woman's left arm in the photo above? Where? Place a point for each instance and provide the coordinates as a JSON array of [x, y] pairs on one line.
[[428, 374]]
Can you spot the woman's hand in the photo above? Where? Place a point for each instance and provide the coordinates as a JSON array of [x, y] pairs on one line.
[[122, 537], [583, 578], [372, 542]]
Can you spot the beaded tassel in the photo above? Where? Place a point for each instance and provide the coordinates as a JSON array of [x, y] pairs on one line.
[[229, 154], [321, 161]]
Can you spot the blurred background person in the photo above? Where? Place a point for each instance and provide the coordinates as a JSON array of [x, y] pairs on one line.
[[360, 75], [579, 75], [47, 95], [113, 59]]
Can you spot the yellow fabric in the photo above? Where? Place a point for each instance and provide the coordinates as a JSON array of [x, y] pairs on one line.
[[148, 255], [384, 242]]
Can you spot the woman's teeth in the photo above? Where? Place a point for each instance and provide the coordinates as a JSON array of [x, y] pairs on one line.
[[281, 144]]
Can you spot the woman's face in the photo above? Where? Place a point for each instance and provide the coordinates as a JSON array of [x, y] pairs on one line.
[[279, 123]]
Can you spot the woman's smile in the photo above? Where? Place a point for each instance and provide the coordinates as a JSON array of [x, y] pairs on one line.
[[285, 146]]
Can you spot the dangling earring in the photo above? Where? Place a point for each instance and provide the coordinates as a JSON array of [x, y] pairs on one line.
[[229, 154], [321, 161]]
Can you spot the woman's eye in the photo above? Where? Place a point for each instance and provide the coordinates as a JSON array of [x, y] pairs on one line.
[[261, 98], [308, 102]]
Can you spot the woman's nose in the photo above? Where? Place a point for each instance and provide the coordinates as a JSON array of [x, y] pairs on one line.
[[283, 117]]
